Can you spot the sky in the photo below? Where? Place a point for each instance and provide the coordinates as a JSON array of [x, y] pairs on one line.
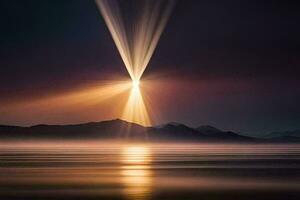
[[229, 64]]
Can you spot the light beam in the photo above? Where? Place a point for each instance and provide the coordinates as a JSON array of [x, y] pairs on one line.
[[135, 84], [135, 109], [136, 42]]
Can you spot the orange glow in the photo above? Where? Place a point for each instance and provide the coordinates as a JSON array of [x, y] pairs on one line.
[[135, 109], [114, 99], [136, 155], [136, 172], [136, 45], [104, 101]]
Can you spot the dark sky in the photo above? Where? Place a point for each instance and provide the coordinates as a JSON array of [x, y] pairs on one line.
[[235, 63]]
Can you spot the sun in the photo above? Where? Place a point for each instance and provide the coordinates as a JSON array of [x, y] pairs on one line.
[[135, 84], [135, 109]]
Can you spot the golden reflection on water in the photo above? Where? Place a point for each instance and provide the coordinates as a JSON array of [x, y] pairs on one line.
[[136, 172]]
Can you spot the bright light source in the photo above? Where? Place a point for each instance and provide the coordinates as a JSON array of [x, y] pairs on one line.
[[135, 84], [135, 109], [136, 42]]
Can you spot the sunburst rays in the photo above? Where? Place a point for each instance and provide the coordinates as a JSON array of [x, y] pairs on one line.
[[136, 44], [136, 41]]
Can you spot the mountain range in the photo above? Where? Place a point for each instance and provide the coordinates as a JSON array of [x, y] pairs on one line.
[[121, 130]]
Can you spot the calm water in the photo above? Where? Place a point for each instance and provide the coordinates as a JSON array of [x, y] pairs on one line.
[[90, 170]]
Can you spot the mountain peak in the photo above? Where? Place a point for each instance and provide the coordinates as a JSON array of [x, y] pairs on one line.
[[208, 129], [118, 129], [174, 124], [171, 124]]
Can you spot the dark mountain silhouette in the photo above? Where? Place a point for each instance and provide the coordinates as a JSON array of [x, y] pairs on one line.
[[284, 136], [208, 129], [295, 133], [214, 132], [174, 131], [105, 130], [122, 130]]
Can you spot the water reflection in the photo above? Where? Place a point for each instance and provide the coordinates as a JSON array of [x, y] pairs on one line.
[[153, 171], [136, 172]]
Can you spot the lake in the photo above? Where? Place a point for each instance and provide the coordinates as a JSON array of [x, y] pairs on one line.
[[142, 171]]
